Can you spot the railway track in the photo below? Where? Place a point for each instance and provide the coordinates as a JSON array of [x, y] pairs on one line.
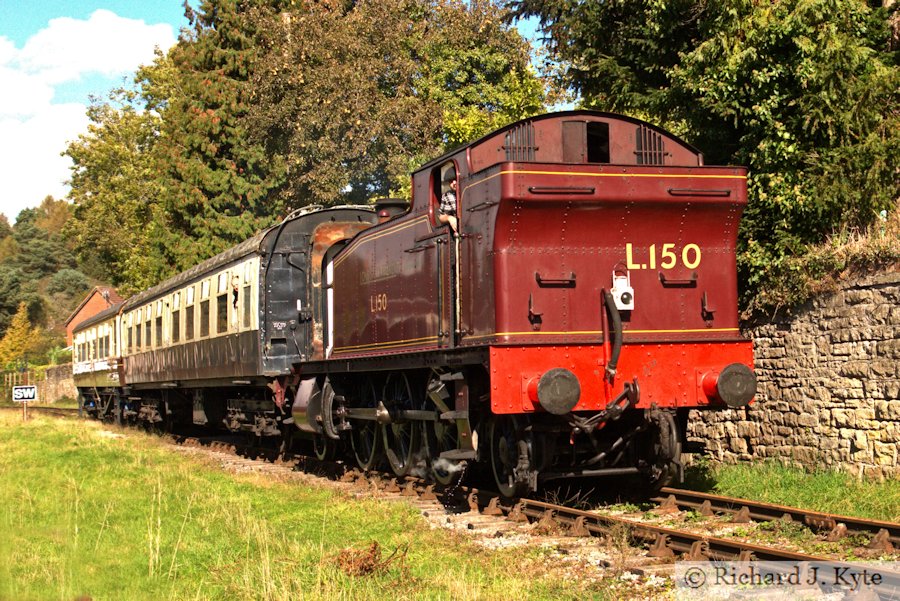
[[884, 535], [59, 411], [663, 541]]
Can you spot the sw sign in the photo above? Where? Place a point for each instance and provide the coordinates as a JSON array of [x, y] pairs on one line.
[[22, 394]]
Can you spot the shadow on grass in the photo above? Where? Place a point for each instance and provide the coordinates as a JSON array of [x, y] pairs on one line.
[[700, 476]]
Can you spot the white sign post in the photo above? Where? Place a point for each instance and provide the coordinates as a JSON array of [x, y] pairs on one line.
[[23, 394]]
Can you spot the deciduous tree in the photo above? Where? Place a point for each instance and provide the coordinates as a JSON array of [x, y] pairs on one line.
[[350, 97], [115, 191]]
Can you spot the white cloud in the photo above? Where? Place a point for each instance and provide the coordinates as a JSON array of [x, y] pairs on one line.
[[34, 130], [105, 43]]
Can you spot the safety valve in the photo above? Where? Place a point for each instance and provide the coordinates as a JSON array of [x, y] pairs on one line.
[[622, 292]]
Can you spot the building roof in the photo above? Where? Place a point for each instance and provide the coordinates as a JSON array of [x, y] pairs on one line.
[[100, 317], [109, 294]]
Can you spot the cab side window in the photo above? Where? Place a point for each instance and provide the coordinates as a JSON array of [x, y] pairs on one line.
[[445, 195]]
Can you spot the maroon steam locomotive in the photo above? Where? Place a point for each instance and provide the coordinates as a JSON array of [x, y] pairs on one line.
[[587, 303]]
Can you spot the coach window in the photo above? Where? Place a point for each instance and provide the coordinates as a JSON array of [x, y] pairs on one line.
[[158, 339], [222, 304], [148, 327], [137, 331], [176, 317], [248, 271], [204, 309], [247, 312], [129, 346], [189, 314], [235, 301]]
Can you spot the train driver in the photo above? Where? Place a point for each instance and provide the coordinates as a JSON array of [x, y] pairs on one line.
[[447, 209]]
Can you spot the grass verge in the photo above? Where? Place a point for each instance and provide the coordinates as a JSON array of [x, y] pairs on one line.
[[85, 512], [826, 491]]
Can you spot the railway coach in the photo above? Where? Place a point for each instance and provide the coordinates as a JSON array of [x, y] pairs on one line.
[[216, 344]]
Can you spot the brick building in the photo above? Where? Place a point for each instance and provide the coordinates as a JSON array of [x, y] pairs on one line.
[[97, 300]]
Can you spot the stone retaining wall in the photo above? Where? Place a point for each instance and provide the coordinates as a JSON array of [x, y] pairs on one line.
[[57, 384], [829, 387]]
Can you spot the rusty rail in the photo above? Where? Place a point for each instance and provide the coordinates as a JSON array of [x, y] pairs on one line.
[[885, 535]]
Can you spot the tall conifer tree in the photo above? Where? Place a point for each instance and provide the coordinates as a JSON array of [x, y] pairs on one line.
[[216, 184]]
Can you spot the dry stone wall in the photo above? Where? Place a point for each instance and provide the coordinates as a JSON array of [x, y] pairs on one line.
[[829, 387], [57, 384]]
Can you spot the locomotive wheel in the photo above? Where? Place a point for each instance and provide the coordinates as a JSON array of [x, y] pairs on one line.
[[663, 451], [440, 436], [365, 437], [324, 448], [511, 459], [401, 437]]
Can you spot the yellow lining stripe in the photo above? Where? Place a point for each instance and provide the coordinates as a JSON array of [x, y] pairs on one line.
[[681, 331], [590, 333], [662, 175], [359, 242], [386, 344], [589, 174], [538, 333]]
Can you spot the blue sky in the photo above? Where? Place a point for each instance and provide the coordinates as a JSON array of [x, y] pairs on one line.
[[19, 20], [54, 54]]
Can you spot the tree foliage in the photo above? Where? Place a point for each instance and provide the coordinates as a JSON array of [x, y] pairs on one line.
[[41, 252], [269, 105], [350, 96], [11, 280], [68, 282], [32, 250], [115, 191], [19, 338], [804, 92], [216, 182], [5, 227]]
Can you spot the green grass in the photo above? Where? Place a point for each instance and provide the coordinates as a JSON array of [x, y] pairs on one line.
[[826, 491], [84, 513], [65, 402]]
